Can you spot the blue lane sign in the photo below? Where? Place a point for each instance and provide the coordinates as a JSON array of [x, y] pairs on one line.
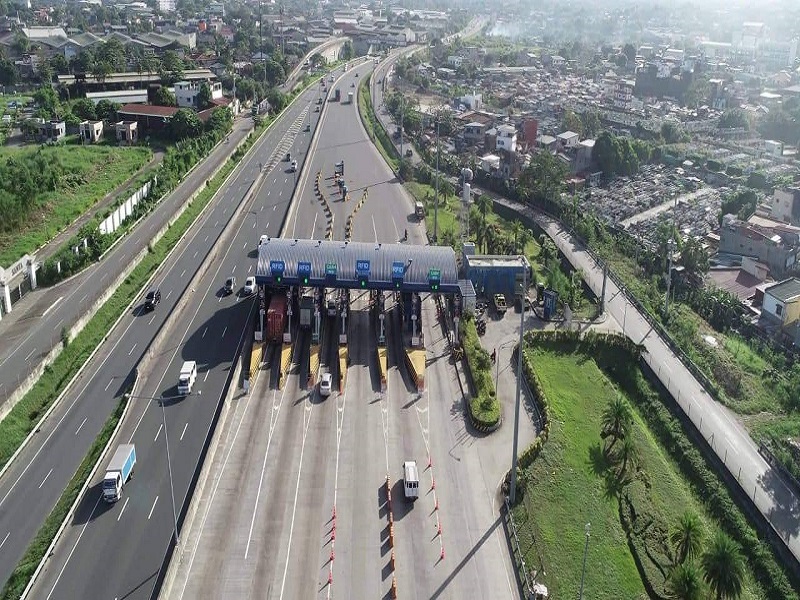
[[277, 266], [304, 268], [398, 270], [330, 269], [362, 267]]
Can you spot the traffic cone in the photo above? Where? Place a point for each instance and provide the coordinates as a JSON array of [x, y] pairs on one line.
[[430, 462], [330, 577], [332, 555], [439, 529], [441, 554], [433, 483]]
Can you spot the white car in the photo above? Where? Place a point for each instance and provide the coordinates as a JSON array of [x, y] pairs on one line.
[[293, 168], [263, 239], [249, 285], [325, 384]]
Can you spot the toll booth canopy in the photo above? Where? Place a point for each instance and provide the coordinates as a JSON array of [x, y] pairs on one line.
[[357, 265]]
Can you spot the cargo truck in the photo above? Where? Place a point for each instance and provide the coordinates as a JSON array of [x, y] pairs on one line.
[[337, 95], [276, 318], [306, 311], [330, 302], [349, 97], [187, 377], [119, 470]]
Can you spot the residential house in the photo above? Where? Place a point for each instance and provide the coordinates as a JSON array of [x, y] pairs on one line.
[[583, 156], [786, 205], [127, 132], [148, 117], [490, 163], [506, 138], [773, 148], [52, 131], [568, 139], [547, 142], [781, 306], [186, 92], [91, 131], [473, 133], [776, 246]]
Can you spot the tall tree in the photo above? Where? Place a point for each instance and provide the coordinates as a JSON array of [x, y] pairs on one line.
[[185, 124], [687, 537], [694, 257], [616, 421], [723, 567], [204, 96], [685, 582], [572, 122]]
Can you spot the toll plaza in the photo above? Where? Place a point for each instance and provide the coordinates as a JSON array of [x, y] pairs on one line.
[[310, 280]]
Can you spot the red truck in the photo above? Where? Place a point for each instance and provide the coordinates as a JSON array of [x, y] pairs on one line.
[[276, 318]]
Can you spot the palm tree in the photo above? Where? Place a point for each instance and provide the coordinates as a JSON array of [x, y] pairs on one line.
[[484, 206], [628, 453], [723, 567], [685, 583], [687, 537], [516, 230], [616, 421]]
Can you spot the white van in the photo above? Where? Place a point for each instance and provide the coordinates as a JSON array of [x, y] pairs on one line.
[[411, 480], [187, 377]]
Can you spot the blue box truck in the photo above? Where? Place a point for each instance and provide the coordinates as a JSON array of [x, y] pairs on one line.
[[119, 470]]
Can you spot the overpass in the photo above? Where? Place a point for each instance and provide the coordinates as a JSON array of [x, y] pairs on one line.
[[357, 265]]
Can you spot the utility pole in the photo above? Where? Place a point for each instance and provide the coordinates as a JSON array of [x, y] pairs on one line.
[[436, 196], [670, 246], [513, 489]]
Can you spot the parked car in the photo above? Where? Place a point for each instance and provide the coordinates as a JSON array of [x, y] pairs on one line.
[[249, 285], [230, 283], [325, 384], [152, 299]]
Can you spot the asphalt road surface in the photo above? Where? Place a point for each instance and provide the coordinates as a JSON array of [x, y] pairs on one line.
[[116, 550], [34, 326], [265, 524]]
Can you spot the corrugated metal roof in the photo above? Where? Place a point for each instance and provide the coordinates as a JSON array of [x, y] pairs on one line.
[[417, 262]]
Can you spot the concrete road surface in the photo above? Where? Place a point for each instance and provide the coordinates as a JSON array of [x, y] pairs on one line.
[[264, 526], [116, 550]]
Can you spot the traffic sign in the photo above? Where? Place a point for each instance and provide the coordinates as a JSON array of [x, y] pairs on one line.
[[362, 267], [330, 269]]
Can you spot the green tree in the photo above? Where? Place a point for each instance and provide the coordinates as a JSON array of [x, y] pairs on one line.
[[346, 52], [163, 97], [47, 99], [21, 44], [59, 64], [84, 109], [544, 176], [204, 96], [571, 122], [734, 118], [671, 132], [628, 454], [221, 120], [484, 205], [723, 567], [607, 153], [277, 99], [694, 257], [106, 110], [101, 70], [185, 124], [591, 123], [171, 67], [616, 421], [8, 72], [687, 538], [111, 52], [629, 50], [685, 582]]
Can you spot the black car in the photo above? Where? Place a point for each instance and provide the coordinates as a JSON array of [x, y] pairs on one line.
[[152, 299], [230, 283]]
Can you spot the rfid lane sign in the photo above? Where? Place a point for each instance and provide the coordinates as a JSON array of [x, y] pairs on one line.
[[277, 268], [398, 273], [304, 272], [362, 267]]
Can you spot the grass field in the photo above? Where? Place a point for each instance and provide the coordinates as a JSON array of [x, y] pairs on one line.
[[94, 171], [569, 487]]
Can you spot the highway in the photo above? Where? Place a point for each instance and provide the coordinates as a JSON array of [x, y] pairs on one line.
[[33, 328], [116, 550], [264, 526]]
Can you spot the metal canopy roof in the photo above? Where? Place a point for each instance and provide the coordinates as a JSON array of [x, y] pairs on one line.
[[356, 265]]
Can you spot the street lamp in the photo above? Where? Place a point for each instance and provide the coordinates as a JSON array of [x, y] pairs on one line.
[[513, 488], [587, 528], [161, 400], [670, 248]]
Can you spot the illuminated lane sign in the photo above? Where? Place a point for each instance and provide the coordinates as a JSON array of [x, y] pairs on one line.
[[304, 271], [330, 269], [277, 266], [435, 274], [362, 267], [398, 272]]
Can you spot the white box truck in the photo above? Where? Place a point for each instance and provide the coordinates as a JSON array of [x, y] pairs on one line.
[[119, 470], [411, 480], [187, 377]]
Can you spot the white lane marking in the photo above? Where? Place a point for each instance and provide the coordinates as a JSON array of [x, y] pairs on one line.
[[59, 324], [83, 298], [153, 318], [233, 270], [374, 229], [30, 354], [71, 552], [205, 240], [160, 427], [80, 426], [195, 253], [121, 258], [286, 180], [131, 350], [273, 421], [4, 539], [274, 207], [169, 293], [204, 332], [249, 269], [314, 226], [267, 227], [108, 385], [216, 224], [206, 376], [254, 224], [52, 306], [223, 332], [268, 192], [306, 422], [124, 506], [45, 478], [183, 273], [244, 246], [262, 206], [152, 508], [183, 433]]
